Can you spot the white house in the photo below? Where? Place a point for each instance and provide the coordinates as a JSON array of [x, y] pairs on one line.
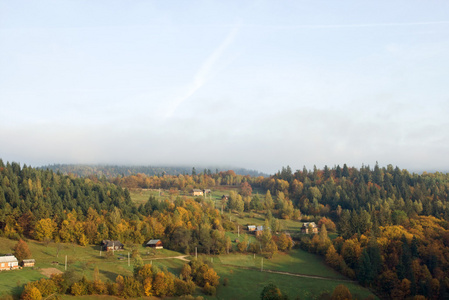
[[8, 262]]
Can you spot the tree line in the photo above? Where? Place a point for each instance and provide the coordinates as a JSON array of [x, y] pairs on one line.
[[147, 280]]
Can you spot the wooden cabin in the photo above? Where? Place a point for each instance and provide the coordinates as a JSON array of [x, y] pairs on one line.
[[309, 227], [197, 192], [28, 262], [157, 244], [107, 245]]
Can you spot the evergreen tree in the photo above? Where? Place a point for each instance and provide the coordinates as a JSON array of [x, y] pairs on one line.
[[365, 272]]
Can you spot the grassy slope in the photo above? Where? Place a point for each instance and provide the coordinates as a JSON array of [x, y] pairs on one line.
[[248, 284], [82, 260], [244, 283], [296, 261]]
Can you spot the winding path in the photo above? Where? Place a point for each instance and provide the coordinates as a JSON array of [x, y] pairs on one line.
[[292, 274], [180, 257]]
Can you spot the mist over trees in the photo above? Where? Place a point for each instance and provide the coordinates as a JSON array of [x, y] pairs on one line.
[[110, 171]]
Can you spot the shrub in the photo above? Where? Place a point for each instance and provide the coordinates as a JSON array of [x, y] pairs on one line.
[[209, 289]]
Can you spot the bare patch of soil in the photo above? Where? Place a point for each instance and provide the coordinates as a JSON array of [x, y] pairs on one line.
[[48, 271]]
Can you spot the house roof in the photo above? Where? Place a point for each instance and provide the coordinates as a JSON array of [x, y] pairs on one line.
[[259, 228], [153, 242], [197, 190], [9, 258], [307, 224], [251, 226], [32, 260], [109, 243]]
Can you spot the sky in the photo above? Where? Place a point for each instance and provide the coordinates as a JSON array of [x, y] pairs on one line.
[[251, 84]]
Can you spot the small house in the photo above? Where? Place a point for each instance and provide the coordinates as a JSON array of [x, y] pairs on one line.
[[251, 228], [108, 245], [197, 192], [28, 262], [157, 244], [259, 230], [309, 227], [207, 191], [8, 262]]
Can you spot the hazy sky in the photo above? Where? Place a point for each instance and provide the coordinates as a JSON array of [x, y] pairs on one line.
[[254, 84]]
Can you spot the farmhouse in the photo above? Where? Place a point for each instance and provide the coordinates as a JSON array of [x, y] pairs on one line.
[[8, 262], [108, 245], [259, 230], [28, 262], [157, 244], [251, 228], [197, 192], [307, 226]]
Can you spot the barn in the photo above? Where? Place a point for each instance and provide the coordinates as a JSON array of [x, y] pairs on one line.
[[157, 244], [28, 262]]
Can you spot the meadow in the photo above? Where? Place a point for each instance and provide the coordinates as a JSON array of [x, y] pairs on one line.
[[243, 271]]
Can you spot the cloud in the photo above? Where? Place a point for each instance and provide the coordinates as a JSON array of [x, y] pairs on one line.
[[204, 72]]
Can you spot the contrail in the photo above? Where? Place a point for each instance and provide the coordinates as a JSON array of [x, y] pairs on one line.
[[202, 74], [351, 25]]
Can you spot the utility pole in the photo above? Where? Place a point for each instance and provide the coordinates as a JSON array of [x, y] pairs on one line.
[[261, 268], [238, 230], [196, 253], [65, 268], [128, 259]]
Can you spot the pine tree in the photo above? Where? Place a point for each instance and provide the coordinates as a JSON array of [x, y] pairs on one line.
[[365, 272]]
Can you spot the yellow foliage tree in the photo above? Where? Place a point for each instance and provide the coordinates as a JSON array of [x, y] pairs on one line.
[[44, 229]]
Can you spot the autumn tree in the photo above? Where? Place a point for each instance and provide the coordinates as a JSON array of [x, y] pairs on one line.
[[271, 292], [341, 292], [44, 229], [31, 293], [268, 200], [284, 242], [245, 189], [21, 250], [132, 288]]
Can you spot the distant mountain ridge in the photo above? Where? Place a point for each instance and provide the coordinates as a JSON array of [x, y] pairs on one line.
[[111, 171]]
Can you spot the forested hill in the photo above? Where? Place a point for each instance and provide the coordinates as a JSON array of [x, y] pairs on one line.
[[29, 194], [112, 171]]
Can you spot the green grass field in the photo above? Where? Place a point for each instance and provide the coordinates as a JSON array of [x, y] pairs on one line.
[[296, 261], [141, 196], [248, 284], [243, 283], [82, 260]]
